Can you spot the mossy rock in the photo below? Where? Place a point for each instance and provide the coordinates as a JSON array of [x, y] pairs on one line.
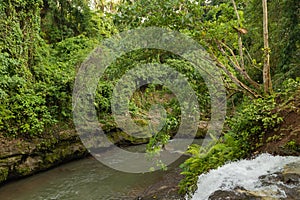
[[11, 160], [23, 170], [122, 138], [141, 122], [30, 165], [3, 174]]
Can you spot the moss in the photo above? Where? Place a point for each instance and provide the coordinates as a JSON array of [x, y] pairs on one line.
[[23, 170], [3, 174], [52, 157], [292, 146], [201, 133], [141, 122]]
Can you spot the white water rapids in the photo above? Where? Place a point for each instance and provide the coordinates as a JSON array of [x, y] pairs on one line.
[[244, 173]]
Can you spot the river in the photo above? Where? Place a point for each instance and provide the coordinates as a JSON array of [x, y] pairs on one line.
[[83, 179], [89, 179]]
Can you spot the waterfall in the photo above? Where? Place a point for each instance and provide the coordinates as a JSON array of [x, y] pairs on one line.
[[243, 174]]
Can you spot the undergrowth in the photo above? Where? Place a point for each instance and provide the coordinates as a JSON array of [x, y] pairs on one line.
[[253, 118]]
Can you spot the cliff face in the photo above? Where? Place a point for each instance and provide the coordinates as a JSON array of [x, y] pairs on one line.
[[19, 157], [22, 157]]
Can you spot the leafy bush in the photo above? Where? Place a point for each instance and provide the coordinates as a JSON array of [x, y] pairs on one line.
[[288, 88], [204, 159], [252, 120], [247, 128]]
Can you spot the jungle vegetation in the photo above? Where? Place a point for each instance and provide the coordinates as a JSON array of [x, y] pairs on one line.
[[254, 42]]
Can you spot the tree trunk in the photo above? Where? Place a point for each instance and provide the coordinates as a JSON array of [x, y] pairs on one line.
[[239, 36], [266, 70]]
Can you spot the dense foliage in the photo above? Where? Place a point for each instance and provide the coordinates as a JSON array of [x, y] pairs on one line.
[[284, 36], [218, 27], [43, 42], [246, 132], [38, 65]]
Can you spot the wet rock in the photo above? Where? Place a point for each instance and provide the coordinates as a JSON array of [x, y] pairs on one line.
[[163, 194], [287, 182], [291, 179], [10, 160], [166, 189], [202, 129], [20, 158], [236, 194], [291, 173], [30, 165]]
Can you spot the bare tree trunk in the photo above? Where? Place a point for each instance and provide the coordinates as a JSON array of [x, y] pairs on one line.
[[239, 36], [266, 70]]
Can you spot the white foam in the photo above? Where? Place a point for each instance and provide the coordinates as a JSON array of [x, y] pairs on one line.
[[244, 173]]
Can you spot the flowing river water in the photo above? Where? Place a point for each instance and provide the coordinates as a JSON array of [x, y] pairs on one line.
[[85, 179], [88, 179]]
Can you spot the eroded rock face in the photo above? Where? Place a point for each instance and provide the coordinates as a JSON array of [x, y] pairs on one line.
[[166, 189], [291, 173], [20, 158], [237, 194]]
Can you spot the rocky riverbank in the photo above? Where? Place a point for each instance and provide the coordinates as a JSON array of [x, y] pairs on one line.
[[166, 189], [21, 157]]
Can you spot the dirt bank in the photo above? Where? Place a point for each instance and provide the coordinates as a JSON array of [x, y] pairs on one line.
[[285, 139]]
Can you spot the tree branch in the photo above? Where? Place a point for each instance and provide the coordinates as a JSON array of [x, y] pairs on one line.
[[236, 65], [235, 79]]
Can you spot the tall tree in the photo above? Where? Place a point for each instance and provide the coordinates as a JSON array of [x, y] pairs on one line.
[[220, 27], [266, 69], [284, 37]]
